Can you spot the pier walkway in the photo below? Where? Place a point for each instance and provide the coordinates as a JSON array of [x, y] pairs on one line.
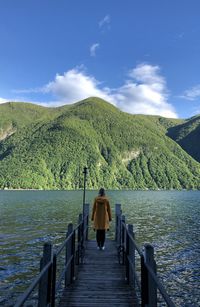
[[100, 281]]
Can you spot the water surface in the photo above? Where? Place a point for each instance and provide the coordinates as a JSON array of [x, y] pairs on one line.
[[170, 220]]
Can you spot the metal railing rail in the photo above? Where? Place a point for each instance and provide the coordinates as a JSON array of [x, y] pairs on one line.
[[47, 281], [148, 283]]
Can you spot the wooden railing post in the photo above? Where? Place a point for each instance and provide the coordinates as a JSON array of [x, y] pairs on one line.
[[117, 221], [68, 255], [79, 243], [73, 249], [151, 288], [132, 255], [123, 237], [53, 293], [144, 283], [86, 209], [128, 253], [44, 294]]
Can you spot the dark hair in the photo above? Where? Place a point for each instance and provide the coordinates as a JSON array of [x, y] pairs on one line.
[[102, 192]]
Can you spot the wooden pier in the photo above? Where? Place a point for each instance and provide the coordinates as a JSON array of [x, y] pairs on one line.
[[100, 280], [77, 274]]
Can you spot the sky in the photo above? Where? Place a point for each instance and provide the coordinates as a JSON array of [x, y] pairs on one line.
[[143, 56]]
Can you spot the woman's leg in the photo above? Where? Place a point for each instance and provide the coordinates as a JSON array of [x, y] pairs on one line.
[[98, 237], [102, 237]]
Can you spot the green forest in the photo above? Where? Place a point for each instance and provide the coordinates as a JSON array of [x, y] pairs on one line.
[[47, 148]]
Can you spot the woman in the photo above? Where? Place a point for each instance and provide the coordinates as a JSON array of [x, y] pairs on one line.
[[101, 215]]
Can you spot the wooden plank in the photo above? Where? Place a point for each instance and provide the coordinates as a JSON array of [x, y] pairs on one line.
[[100, 280]]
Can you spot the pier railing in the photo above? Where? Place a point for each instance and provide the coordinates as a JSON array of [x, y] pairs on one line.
[[148, 282], [49, 280], [58, 268]]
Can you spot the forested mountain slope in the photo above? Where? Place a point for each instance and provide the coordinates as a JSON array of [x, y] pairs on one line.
[[187, 135], [47, 148]]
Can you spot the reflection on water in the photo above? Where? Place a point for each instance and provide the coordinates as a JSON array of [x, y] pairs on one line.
[[167, 219]]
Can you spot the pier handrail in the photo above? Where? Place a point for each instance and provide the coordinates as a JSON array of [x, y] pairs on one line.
[[30, 289], [74, 252], [149, 282]]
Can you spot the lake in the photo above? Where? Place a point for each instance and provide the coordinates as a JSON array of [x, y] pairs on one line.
[[170, 220]]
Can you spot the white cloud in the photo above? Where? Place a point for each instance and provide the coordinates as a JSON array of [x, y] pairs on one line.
[[144, 91], [105, 22], [147, 74], [75, 85], [93, 49], [3, 100], [192, 93]]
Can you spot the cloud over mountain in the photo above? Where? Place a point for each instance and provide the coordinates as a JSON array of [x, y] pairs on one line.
[[75, 85], [144, 91]]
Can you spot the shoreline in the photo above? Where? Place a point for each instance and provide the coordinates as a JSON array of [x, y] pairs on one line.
[[96, 189]]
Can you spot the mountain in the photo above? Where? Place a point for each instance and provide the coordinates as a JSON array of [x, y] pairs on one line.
[[47, 148], [187, 135]]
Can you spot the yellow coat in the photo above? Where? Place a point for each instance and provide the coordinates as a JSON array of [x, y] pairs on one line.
[[101, 213]]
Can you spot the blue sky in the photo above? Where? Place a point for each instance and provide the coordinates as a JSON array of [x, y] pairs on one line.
[[141, 55]]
